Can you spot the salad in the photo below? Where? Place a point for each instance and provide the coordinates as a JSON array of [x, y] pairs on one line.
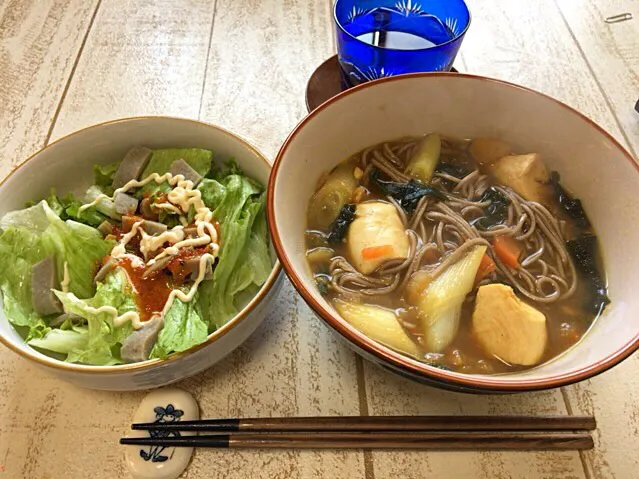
[[165, 249]]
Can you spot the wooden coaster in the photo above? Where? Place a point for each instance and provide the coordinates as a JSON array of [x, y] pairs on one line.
[[325, 83]]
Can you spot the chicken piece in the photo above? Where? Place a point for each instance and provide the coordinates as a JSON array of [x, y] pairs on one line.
[[526, 175], [507, 327], [132, 166], [376, 236], [44, 279], [487, 151]]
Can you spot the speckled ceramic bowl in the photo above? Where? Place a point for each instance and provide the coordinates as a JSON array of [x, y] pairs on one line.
[[67, 165], [592, 164]]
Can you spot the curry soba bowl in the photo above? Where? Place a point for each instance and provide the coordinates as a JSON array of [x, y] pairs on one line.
[[462, 231]]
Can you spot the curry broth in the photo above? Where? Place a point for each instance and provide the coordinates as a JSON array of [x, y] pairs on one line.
[[567, 320]]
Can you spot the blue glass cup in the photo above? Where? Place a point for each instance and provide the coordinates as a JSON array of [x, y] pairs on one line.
[[381, 38]]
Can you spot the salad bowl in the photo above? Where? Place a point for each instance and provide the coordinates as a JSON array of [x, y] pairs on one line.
[[67, 165]]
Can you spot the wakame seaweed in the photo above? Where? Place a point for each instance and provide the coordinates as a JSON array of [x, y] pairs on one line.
[[496, 212], [341, 224], [570, 205], [322, 281], [406, 194], [458, 171], [584, 251]]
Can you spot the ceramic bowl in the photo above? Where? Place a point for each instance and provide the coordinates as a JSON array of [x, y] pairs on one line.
[[67, 165], [594, 166]]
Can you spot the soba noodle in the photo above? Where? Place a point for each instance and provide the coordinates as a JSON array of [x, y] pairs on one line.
[[547, 274]]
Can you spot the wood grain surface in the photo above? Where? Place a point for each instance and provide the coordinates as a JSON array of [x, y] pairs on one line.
[[243, 64]]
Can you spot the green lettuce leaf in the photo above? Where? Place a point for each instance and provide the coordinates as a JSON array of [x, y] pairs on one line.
[[256, 264], [161, 160], [213, 192], [80, 246], [20, 249], [183, 329], [90, 216], [29, 236], [103, 337], [103, 176], [63, 341], [238, 205], [229, 168], [68, 208]]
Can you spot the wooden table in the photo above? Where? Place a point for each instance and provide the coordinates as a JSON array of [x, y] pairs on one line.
[[243, 64]]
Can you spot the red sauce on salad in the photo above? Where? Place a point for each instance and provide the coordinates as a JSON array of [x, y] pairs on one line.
[[151, 293], [177, 264]]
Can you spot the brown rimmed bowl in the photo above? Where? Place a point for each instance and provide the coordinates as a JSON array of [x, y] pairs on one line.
[[592, 164], [67, 165]]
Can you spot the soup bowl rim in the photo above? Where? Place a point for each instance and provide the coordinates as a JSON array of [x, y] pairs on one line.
[[395, 359]]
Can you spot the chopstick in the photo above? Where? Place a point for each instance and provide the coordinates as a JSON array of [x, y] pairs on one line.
[[376, 432], [379, 423], [388, 440]]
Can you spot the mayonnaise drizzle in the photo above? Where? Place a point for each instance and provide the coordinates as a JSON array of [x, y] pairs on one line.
[[97, 200], [188, 297], [180, 200], [118, 320], [66, 280]]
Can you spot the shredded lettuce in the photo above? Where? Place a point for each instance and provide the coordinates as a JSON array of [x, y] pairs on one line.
[[20, 249], [90, 216], [183, 329], [103, 338], [238, 205], [56, 227], [33, 234], [68, 208], [80, 246], [63, 341]]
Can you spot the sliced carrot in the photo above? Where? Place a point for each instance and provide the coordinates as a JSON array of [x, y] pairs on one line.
[[507, 250], [430, 256], [486, 267], [376, 251]]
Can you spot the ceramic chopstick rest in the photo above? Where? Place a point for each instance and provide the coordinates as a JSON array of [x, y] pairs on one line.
[[157, 462]]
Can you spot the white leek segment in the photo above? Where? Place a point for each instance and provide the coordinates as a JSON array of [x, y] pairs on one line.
[[327, 202], [379, 324], [425, 158], [441, 302]]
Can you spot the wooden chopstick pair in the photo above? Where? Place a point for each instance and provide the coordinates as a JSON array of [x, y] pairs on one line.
[[377, 432]]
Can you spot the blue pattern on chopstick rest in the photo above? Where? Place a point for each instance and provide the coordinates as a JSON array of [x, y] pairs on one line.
[[162, 415]]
